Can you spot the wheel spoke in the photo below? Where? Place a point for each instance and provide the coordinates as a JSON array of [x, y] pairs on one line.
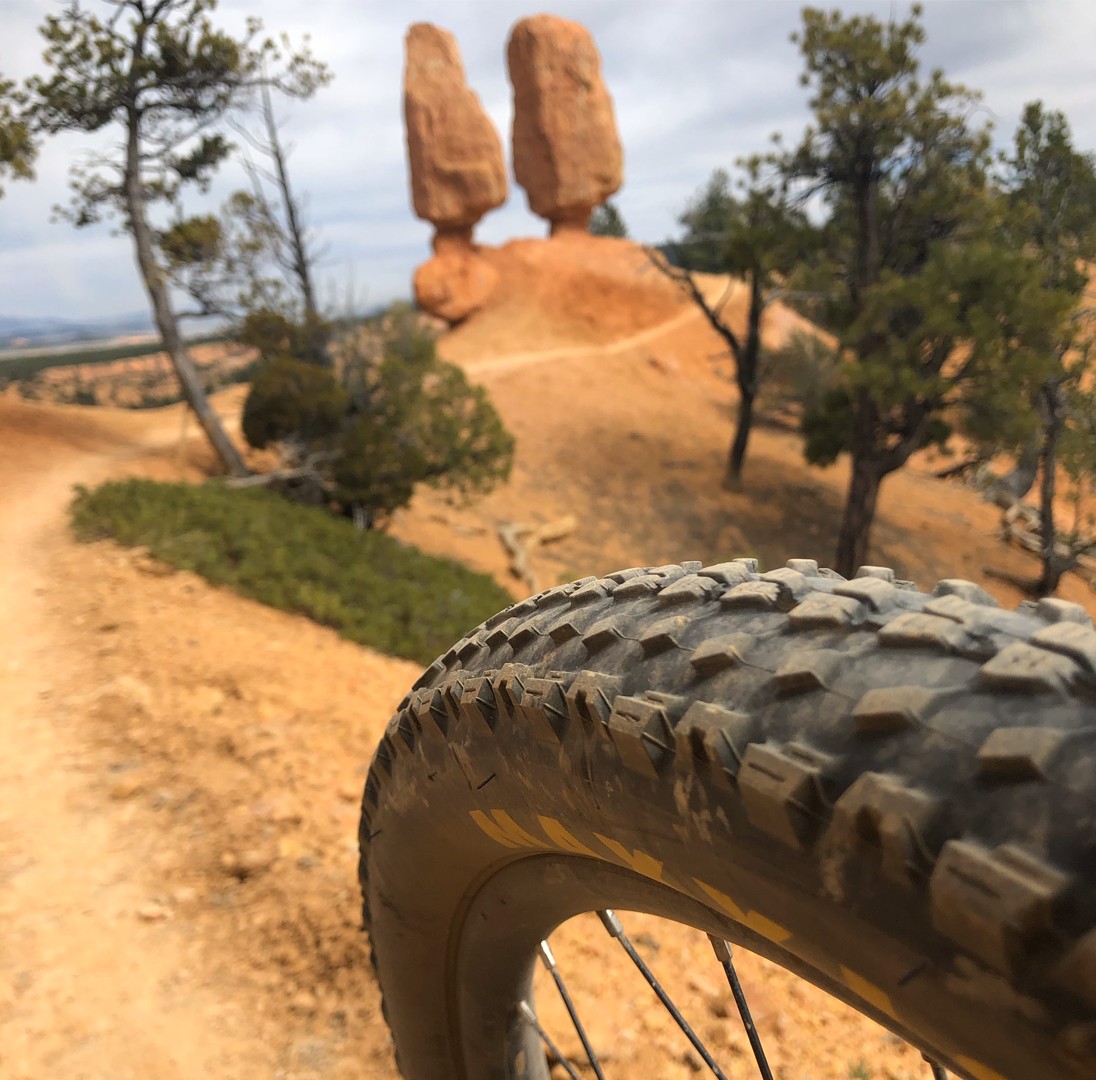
[[726, 961], [549, 962], [612, 925], [531, 1017], [938, 1071]]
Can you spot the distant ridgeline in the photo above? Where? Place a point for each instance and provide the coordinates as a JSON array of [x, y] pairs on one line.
[[132, 375], [20, 332]]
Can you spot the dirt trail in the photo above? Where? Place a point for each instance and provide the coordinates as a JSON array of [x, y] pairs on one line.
[[156, 903], [83, 983], [539, 356]]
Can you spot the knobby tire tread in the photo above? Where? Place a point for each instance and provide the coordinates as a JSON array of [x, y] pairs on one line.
[[929, 754]]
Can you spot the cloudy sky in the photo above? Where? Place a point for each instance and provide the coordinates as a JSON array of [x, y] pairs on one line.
[[696, 84]]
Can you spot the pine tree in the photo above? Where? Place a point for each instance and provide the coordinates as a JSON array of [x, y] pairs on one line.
[[755, 236], [1051, 192], [929, 296], [258, 255], [392, 416], [607, 221], [164, 77]]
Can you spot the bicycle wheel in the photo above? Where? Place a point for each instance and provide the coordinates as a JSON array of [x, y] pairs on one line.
[[889, 793]]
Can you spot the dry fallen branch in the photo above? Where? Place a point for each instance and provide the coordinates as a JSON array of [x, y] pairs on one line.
[[521, 540], [276, 476], [962, 469], [509, 534], [553, 531], [456, 525], [1020, 525]]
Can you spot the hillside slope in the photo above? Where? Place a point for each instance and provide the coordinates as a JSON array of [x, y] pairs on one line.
[[630, 436]]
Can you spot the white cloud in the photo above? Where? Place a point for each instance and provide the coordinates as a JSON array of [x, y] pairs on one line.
[[696, 84]]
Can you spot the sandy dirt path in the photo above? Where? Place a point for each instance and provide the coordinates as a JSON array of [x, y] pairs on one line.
[[540, 356], [88, 981], [178, 796]]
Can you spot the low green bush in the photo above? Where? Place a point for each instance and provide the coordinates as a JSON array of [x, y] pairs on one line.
[[370, 587]]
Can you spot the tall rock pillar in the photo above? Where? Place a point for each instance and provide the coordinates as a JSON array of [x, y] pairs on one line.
[[458, 172], [565, 145]]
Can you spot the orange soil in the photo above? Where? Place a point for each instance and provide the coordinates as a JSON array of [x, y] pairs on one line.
[[182, 766]]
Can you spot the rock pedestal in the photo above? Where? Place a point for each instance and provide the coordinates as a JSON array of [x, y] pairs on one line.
[[456, 281], [566, 149]]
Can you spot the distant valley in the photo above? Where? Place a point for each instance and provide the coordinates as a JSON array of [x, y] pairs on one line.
[[21, 334]]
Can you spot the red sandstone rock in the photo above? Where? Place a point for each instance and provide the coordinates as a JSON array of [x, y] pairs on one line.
[[566, 149], [456, 282], [457, 167]]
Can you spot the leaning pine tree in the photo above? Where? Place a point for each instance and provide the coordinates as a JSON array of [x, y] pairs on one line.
[[929, 298], [159, 74], [1051, 191]]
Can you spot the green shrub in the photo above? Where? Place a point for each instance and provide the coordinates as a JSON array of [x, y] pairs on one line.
[[290, 398], [276, 337], [801, 372], [368, 586], [394, 416], [375, 468]]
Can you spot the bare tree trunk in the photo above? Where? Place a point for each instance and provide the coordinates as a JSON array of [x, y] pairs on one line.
[[162, 311], [747, 362], [746, 356], [300, 259], [859, 513], [867, 237], [732, 477], [1051, 404]]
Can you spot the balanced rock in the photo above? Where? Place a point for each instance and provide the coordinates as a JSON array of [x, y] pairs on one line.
[[566, 148], [457, 169]]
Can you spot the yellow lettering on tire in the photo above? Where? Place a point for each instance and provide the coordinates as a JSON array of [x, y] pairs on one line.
[[503, 829], [754, 920], [639, 861], [563, 839], [871, 993]]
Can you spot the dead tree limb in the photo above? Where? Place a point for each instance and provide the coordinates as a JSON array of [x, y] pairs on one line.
[[510, 534], [521, 540]]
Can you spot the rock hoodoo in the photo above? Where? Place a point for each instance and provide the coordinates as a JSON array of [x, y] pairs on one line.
[[566, 148], [457, 171]]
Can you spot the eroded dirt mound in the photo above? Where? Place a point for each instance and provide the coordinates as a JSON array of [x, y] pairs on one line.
[[570, 290], [574, 291], [622, 398]]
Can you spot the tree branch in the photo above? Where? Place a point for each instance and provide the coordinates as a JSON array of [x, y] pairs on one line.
[[685, 279]]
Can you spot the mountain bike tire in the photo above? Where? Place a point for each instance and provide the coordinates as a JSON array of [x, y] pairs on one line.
[[889, 793]]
